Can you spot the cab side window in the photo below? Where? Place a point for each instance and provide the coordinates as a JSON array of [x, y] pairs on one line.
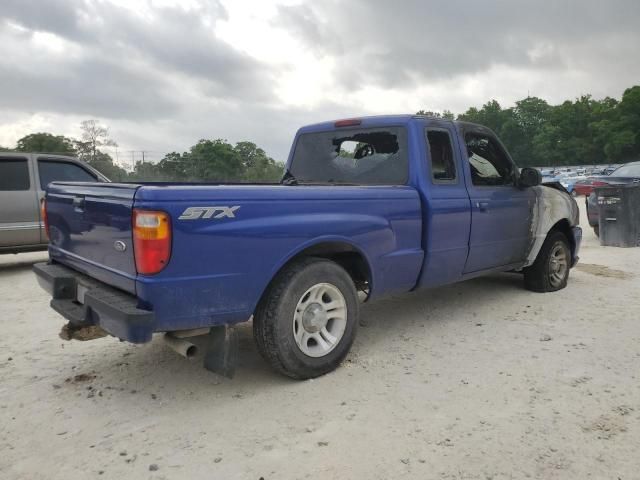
[[489, 164], [55, 171], [443, 167], [14, 174]]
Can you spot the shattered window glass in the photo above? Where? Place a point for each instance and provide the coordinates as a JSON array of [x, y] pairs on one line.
[[371, 156], [488, 162]]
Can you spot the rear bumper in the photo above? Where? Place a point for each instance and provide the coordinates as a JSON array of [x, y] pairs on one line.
[[577, 240], [85, 301]]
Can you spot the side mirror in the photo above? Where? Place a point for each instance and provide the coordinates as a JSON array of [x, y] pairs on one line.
[[529, 177]]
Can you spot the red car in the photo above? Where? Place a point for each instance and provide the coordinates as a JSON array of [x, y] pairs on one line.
[[586, 186]]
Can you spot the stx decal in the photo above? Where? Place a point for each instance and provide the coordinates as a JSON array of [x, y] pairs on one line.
[[194, 213]]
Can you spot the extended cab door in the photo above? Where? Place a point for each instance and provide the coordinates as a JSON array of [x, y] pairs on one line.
[[19, 209], [446, 211], [501, 213]]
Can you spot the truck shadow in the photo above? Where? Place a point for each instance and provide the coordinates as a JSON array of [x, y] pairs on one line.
[[409, 314], [154, 367]]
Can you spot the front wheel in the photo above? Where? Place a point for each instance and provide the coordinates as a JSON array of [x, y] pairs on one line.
[[306, 322], [550, 271]]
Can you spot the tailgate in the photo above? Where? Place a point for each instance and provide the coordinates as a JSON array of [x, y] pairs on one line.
[[90, 230]]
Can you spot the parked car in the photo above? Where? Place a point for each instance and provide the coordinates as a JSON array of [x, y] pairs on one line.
[[628, 173], [367, 207], [585, 186], [568, 181], [23, 180]]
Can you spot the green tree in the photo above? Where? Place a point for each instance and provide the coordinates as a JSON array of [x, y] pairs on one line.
[[257, 165], [214, 160], [490, 115], [46, 143], [446, 114], [174, 166], [580, 132], [105, 165], [149, 172], [569, 137], [621, 130]]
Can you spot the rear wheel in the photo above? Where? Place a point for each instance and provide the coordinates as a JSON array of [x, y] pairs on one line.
[[550, 271], [306, 322]]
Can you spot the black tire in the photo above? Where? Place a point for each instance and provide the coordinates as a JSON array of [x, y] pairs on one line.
[[596, 230], [273, 324], [542, 276]]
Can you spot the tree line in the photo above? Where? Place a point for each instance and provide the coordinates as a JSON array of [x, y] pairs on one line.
[[580, 132], [206, 161]]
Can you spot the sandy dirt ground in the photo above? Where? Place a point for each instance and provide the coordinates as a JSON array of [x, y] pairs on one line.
[[480, 380]]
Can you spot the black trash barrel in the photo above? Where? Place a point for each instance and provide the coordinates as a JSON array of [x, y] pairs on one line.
[[619, 215]]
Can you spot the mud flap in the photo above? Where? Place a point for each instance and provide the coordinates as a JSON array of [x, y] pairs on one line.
[[221, 353]]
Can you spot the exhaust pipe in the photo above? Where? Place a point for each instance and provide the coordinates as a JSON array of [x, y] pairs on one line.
[[180, 346]]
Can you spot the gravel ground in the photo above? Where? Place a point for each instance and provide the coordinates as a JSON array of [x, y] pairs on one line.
[[477, 380]]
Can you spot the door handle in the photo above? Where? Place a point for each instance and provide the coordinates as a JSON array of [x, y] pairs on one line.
[[482, 206]]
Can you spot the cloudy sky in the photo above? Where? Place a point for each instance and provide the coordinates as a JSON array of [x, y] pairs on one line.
[[164, 73]]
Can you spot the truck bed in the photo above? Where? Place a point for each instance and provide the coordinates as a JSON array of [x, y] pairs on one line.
[[219, 267]]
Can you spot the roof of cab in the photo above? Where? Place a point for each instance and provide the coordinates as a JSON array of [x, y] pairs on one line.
[[377, 121]]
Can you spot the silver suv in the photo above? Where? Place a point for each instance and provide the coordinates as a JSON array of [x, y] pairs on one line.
[[23, 180]]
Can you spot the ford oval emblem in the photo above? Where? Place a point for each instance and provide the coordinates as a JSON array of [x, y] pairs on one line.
[[119, 245]]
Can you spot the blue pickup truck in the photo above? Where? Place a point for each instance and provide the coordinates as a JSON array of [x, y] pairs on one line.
[[367, 207]]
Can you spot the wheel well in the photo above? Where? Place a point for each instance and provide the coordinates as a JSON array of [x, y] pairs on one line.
[[564, 227], [345, 255]]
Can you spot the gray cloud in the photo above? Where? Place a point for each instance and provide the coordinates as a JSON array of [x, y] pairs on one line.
[[91, 87], [56, 16], [163, 79], [124, 62], [391, 44], [181, 42]]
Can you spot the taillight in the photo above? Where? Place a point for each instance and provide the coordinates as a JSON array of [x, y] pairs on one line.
[[43, 215], [151, 240]]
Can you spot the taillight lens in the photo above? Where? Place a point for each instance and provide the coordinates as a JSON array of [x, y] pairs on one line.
[[151, 240], [43, 215]]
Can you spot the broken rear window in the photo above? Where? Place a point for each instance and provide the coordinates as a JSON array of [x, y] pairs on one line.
[[369, 156]]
